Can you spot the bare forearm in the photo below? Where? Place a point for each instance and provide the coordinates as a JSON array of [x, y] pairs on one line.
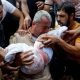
[[19, 15], [24, 7], [72, 50], [21, 21]]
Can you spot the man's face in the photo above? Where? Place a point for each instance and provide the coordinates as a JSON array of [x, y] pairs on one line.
[[41, 27], [1, 12], [63, 18]]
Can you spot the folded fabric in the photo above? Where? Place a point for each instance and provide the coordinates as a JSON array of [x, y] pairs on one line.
[[58, 31], [41, 56]]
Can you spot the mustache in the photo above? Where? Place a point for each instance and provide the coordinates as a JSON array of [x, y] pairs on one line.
[[60, 23]]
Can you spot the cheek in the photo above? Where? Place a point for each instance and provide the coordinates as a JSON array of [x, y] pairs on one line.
[[34, 29], [43, 30], [64, 20]]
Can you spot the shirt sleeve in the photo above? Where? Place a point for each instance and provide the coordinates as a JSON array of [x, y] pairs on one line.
[[8, 7]]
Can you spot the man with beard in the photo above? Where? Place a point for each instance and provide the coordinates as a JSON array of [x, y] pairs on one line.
[[65, 64]]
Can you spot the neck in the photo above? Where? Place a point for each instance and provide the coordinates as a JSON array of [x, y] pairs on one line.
[[71, 24]]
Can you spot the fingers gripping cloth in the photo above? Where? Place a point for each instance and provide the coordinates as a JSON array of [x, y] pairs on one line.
[[40, 58]]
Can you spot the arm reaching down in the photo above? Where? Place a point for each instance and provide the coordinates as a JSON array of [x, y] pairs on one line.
[[41, 57]]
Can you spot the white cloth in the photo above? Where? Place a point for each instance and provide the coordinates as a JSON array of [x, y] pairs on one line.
[[7, 7], [39, 56], [58, 31]]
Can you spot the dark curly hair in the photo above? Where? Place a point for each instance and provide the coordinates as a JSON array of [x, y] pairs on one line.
[[67, 7]]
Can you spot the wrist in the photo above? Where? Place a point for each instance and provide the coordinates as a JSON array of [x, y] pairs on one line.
[[58, 40]]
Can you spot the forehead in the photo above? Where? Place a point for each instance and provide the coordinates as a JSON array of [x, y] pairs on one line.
[[45, 20], [61, 12]]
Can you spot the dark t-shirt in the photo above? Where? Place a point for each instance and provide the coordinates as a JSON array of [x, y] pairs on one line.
[[32, 7], [12, 2]]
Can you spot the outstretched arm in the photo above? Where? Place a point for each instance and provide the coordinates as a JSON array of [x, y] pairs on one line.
[[72, 50], [75, 33], [18, 14], [25, 10]]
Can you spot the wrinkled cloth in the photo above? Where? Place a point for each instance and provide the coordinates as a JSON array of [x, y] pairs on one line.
[[58, 31], [41, 56]]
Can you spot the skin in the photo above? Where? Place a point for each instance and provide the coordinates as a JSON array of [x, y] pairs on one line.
[[40, 27], [73, 50], [16, 13], [25, 11], [36, 29], [63, 18], [75, 33]]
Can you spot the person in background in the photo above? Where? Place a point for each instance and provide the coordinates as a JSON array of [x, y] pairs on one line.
[[76, 4], [5, 7], [30, 7], [65, 63]]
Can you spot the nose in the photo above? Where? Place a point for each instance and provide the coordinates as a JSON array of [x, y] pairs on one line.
[[58, 18]]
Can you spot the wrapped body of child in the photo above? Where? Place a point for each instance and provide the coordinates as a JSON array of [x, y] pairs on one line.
[[41, 56]]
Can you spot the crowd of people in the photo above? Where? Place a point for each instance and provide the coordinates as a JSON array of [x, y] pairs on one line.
[[39, 40]]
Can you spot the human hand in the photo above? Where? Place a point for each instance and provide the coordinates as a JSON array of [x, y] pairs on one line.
[[12, 68], [71, 31], [40, 5], [27, 58], [48, 40], [22, 32], [27, 22], [74, 33]]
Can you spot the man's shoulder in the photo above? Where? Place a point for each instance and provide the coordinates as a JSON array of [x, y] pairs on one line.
[[77, 23]]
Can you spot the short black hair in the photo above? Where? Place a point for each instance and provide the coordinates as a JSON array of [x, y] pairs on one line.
[[67, 7], [0, 2]]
